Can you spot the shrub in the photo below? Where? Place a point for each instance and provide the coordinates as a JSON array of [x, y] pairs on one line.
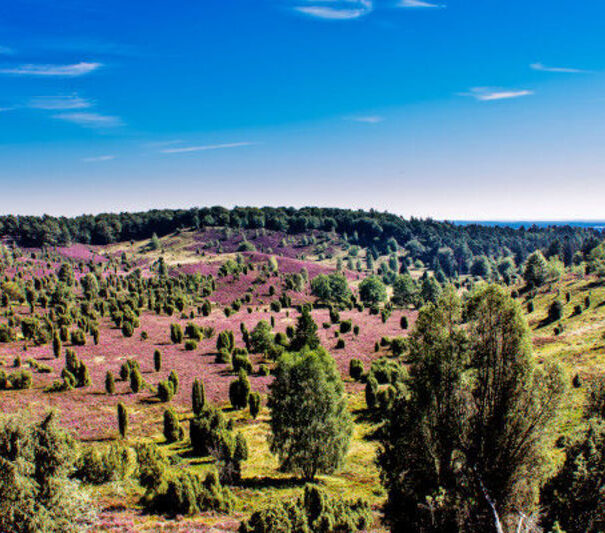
[[315, 511], [239, 391], [165, 390], [157, 360], [555, 311], [110, 383], [22, 379], [122, 420], [127, 329], [190, 345], [77, 337], [103, 465], [176, 333], [173, 431], [403, 322], [198, 397], [37, 494], [186, 493], [263, 370], [334, 316], [530, 306], [223, 357], [225, 340], [371, 393], [356, 330], [241, 362], [56, 345], [174, 379], [397, 346], [254, 404], [340, 344], [346, 326], [356, 369], [136, 380]]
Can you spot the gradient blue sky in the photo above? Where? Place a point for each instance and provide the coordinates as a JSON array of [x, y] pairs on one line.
[[484, 109]]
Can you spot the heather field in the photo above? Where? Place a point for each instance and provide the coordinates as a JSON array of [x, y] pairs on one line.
[[213, 302]]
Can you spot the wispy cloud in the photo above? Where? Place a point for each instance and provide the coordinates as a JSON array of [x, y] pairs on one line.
[[419, 4], [489, 94], [185, 149], [367, 119], [3, 109], [543, 68], [55, 103], [91, 120], [69, 71], [335, 9], [98, 158], [6, 51]]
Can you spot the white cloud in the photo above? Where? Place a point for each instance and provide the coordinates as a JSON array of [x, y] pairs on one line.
[[98, 158], [91, 120], [186, 149], [71, 71], [566, 70], [419, 4], [488, 94], [72, 101], [367, 119], [336, 9]]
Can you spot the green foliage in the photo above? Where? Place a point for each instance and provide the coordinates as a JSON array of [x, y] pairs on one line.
[[261, 338], [254, 402], [173, 431], [77, 337], [136, 380], [157, 360], [165, 390], [122, 420], [305, 333], [331, 288], [187, 493], [372, 290], [535, 270], [314, 512], [176, 333], [356, 369], [239, 390], [310, 425], [225, 340], [477, 418], [405, 291], [98, 465], [110, 383], [575, 497], [198, 397], [35, 492]]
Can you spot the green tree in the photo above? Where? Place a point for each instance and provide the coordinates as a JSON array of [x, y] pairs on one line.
[[372, 290], [575, 498], [310, 424], [405, 291], [305, 333], [471, 438], [36, 494], [535, 269], [122, 420], [261, 337], [198, 397]]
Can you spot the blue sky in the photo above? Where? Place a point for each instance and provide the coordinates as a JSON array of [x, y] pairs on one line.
[[459, 110]]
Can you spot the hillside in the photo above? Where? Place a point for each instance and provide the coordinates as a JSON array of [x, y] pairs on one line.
[[242, 277]]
